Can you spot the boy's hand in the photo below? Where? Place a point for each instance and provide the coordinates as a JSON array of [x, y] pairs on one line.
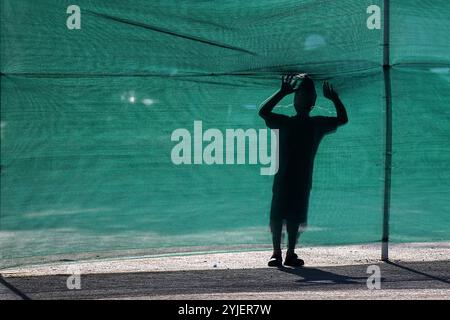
[[288, 84], [328, 91]]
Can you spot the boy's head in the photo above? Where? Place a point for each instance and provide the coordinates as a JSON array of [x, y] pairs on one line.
[[305, 96]]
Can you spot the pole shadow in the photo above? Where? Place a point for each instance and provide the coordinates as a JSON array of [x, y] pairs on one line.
[[13, 289], [417, 272], [318, 276]]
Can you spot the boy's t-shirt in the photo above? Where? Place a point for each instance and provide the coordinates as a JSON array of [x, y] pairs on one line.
[[299, 139]]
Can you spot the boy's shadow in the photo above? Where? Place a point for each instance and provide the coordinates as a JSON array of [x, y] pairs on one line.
[[320, 277]]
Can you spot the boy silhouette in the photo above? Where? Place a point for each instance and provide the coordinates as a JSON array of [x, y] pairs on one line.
[[299, 139]]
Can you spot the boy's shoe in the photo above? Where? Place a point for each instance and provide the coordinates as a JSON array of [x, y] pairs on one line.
[[293, 261], [275, 261]]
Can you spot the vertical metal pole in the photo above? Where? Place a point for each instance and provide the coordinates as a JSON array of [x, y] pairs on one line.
[[388, 137]]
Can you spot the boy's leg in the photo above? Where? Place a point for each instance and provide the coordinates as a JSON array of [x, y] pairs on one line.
[[293, 234], [298, 219], [276, 227]]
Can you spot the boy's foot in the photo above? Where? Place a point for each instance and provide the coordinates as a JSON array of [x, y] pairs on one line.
[[292, 260], [275, 261]]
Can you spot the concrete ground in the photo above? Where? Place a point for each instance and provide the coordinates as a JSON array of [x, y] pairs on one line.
[[417, 271]]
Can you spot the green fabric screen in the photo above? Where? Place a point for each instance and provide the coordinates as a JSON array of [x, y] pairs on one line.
[[87, 116]]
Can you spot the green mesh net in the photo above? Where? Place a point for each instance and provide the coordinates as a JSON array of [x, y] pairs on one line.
[[87, 117]]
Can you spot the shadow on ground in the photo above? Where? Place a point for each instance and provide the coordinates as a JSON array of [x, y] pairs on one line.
[[395, 275]]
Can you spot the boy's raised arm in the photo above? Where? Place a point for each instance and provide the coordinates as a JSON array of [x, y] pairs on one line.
[[288, 84], [329, 93]]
